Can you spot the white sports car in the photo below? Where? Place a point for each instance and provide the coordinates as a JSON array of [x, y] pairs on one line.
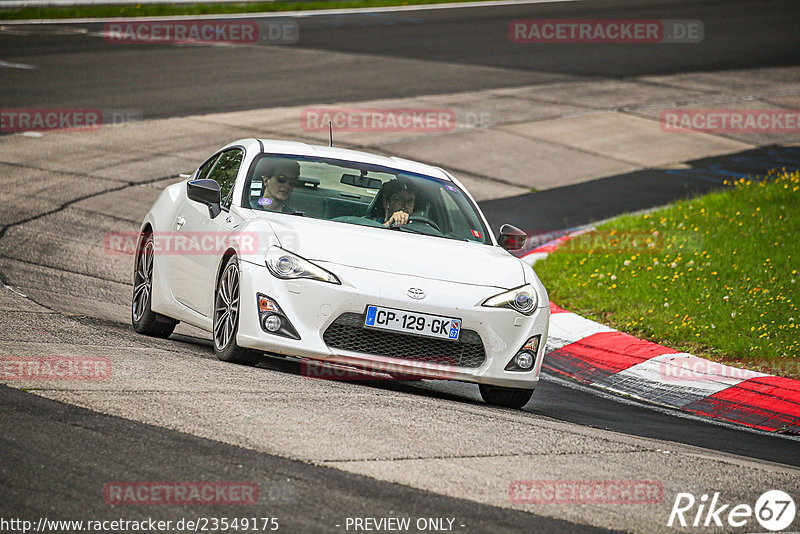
[[356, 259]]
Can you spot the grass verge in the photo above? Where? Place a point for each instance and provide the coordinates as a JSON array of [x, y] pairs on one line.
[[715, 275], [154, 10]]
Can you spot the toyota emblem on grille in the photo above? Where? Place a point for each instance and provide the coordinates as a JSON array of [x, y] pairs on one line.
[[416, 293]]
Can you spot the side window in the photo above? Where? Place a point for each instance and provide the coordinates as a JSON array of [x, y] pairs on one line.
[[225, 171], [205, 168]]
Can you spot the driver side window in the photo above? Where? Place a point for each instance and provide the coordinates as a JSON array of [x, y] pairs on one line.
[[224, 173], [205, 168]]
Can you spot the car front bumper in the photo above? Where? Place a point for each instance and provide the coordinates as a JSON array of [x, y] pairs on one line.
[[312, 306]]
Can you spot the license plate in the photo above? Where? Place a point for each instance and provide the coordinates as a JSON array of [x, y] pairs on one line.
[[412, 322]]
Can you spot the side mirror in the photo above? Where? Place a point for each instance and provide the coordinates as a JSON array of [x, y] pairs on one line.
[[205, 192], [511, 237]]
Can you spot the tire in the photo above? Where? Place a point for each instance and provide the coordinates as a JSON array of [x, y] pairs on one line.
[[145, 320], [226, 317], [506, 397]]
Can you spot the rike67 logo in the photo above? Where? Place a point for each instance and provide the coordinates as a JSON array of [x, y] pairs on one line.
[[774, 510]]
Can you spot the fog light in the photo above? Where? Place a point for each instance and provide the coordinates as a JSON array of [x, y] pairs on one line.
[[524, 360], [273, 320], [272, 323]]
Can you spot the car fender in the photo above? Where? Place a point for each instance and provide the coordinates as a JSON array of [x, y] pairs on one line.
[[160, 219], [532, 278], [258, 236]]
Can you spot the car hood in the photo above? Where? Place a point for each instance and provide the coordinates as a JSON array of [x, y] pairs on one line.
[[398, 252]]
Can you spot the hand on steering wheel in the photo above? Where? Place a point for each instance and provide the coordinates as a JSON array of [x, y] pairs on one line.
[[398, 218]]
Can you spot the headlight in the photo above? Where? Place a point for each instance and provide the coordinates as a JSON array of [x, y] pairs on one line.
[[286, 265], [522, 299]]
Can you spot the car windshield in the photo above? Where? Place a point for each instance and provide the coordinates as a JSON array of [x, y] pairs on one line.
[[363, 194]]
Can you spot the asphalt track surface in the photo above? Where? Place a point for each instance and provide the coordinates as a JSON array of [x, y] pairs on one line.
[[439, 51], [51, 438], [398, 54], [577, 204]]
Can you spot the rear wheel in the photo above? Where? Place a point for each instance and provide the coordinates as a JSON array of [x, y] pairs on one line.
[[506, 397], [144, 320], [226, 317]]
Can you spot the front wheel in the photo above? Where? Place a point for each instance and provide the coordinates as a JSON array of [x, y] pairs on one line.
[[144, 320], [226, 317], [506, 397]]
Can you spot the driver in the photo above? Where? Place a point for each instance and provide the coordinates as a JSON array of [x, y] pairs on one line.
[[398, 202]]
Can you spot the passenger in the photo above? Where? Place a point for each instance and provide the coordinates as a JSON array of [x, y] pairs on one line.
[[279, 177], [398, 198]]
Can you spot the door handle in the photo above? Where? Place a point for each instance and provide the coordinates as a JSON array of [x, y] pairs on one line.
[[179, 222]]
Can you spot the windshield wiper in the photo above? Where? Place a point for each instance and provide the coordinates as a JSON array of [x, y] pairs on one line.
[[407, 229], [418, 232], [454, 238], [398, 228]]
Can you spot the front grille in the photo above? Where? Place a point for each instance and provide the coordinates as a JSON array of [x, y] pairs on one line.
[[348, 332]]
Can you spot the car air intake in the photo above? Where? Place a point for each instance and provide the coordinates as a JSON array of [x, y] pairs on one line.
[[348, 332]]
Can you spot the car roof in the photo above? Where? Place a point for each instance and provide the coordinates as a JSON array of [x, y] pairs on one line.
[[303, 149]]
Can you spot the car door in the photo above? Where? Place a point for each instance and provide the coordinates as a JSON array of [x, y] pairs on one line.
[[198, 243]]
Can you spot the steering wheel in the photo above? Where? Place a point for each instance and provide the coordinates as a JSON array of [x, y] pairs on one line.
[[424, 220]]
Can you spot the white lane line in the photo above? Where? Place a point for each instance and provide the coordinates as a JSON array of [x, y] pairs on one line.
[[676, 379], [16, 65], [37, 29], [284, 14], [20, 293]]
